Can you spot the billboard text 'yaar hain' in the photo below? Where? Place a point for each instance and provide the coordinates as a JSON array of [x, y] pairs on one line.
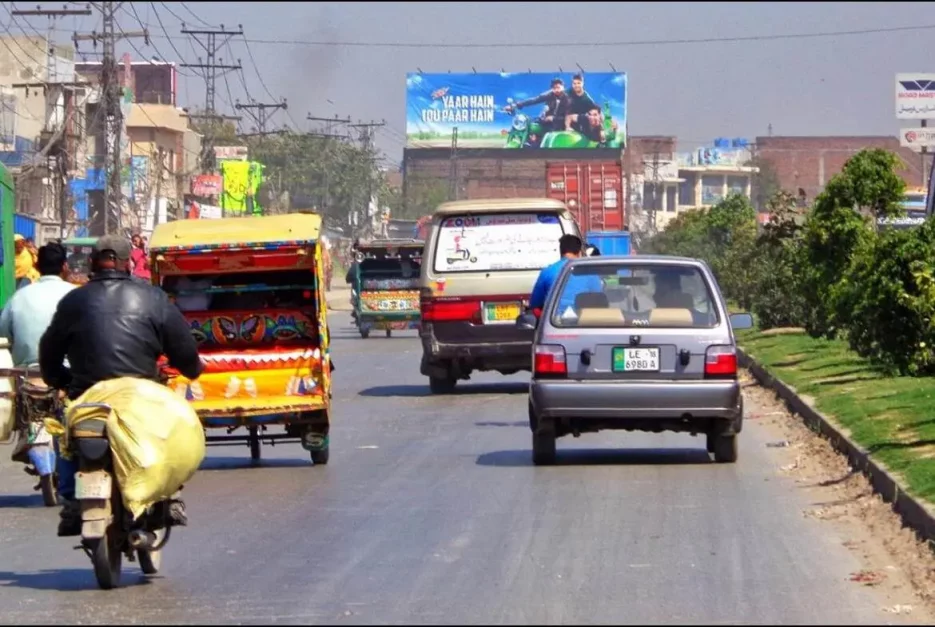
[[517, 111]]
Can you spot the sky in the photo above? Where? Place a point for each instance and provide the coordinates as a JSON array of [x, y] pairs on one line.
[[837, 85]]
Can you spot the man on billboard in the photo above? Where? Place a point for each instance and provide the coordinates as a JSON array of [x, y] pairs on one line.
[[579, 104], [556, 100], [593, 126]]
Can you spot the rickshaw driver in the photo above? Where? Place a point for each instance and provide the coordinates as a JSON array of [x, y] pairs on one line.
[[108, 328]]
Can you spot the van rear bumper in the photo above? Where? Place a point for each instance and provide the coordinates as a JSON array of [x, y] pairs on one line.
[[474, 347]]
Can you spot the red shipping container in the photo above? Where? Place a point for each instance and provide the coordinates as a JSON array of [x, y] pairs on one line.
[[592, 191]]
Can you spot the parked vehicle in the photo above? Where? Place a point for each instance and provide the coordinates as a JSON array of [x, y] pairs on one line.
[[479, 266], [593, 191], [253, 292], [388, 273], [653, 350]]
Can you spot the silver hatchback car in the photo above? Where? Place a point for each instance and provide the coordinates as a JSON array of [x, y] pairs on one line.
[[640, 343]]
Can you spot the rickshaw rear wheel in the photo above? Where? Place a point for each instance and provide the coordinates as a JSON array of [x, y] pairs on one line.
[[320, 457], [47, 485], [254, 443], [389, 333], [365, 333]]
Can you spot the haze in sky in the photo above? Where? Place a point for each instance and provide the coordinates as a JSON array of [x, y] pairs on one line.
[[839, 85]]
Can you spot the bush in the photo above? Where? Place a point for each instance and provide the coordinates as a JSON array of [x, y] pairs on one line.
[[890, 297], [829, 270]]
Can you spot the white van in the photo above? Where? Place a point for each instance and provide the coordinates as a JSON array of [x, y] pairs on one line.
[[479, 265]]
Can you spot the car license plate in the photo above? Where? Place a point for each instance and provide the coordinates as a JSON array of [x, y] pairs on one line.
[[501, 313], [636, 359], [93, 485]]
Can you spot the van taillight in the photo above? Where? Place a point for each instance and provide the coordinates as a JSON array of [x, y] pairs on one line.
[[720, 362], [549, 361], [451, 309]]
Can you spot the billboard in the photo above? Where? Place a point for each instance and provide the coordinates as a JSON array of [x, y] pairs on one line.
[[517, 111], [917, 138], [915, 96]]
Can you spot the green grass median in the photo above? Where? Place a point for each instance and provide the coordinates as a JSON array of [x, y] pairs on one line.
[[892, 417]]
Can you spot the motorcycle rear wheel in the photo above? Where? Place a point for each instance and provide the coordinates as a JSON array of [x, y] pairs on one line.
[[106, 559], [151, 561]]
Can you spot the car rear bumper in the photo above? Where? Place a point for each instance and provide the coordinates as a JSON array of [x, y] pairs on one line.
[[636, 399]]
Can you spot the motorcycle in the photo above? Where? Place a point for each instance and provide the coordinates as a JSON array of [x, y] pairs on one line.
[[34, 402], [108, 530], [523, 127]]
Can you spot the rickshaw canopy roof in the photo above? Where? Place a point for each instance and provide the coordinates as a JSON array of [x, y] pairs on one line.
[[249, 232], [80, 241], [391, 243]]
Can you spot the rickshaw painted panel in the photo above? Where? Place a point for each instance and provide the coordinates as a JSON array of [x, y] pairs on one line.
[[401, 301], [250, 327]]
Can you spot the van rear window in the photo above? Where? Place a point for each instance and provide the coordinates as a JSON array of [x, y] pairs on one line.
[[501, 241]]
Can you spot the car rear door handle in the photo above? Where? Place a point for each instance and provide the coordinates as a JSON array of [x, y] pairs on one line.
[[586, 357]]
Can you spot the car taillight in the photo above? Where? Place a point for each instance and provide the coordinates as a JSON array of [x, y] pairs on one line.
[[449, 310], [720, 362], [549, 361]]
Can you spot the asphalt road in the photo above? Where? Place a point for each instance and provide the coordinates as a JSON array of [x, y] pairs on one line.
[[430, 511]]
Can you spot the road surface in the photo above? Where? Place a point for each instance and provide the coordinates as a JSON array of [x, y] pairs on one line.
[[431, 512]]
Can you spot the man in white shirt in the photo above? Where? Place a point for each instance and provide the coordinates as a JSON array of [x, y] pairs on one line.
[[29, 312]]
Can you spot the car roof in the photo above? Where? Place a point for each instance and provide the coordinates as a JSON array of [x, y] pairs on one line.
[[660, 260], [500, 205]]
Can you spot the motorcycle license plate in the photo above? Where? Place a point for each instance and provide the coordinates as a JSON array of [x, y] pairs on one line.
[[92, 485]]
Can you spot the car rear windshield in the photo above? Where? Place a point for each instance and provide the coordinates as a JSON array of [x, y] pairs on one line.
[[499, 241], [630, 295]]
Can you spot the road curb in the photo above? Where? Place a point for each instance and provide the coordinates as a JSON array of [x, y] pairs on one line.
[[913, 512]]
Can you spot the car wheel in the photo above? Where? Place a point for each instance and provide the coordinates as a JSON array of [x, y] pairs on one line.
[[709, 442], [533, 419], [725, 449], [442, 385], [543, 447]]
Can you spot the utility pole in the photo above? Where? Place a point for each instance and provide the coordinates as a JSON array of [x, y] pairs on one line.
[[160, 157], [453, 166], [366, 140], [111, 94], [212, 68], [65, 145], [654, 208], [261, 113]]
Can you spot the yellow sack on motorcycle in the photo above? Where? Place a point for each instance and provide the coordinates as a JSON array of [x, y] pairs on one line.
[[156, 438]]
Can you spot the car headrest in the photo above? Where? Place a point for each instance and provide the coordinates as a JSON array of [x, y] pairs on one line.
[[671, 318], [591, 300], [596, 317]]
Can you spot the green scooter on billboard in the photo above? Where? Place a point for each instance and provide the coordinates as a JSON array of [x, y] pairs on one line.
[[527, 132]]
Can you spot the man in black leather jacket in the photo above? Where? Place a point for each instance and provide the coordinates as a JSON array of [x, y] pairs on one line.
[[111, 327]]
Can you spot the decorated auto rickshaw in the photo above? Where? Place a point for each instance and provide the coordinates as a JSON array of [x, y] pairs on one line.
[[79, 258], [388, 280], [252, 290]]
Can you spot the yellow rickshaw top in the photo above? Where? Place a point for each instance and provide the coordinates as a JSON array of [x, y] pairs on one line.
[[272, 232]]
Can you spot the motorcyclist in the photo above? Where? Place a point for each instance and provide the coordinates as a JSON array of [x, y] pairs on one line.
[[557, 106], [112, 327]]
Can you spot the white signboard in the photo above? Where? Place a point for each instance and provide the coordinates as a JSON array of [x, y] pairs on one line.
[[915, 96], [233, 153], [514, 241], [917, 138]]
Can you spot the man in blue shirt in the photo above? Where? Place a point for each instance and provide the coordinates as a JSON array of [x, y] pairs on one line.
[[569, 247]]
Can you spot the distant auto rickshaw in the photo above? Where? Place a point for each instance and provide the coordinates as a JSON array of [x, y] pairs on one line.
[[388, 281], [252, 290], [79, 258]]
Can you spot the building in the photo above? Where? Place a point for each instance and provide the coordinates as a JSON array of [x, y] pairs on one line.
[[41, 118], [807, 163], [160, 151]]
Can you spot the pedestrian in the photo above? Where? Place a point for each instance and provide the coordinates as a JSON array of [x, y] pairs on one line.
[[140, 259], [24, 262]]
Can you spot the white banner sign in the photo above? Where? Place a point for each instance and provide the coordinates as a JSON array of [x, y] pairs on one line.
[[917, 138], [915, 96]]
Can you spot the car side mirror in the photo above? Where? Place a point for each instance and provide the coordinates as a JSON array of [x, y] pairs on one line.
[[739, 321], [527, 322]]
